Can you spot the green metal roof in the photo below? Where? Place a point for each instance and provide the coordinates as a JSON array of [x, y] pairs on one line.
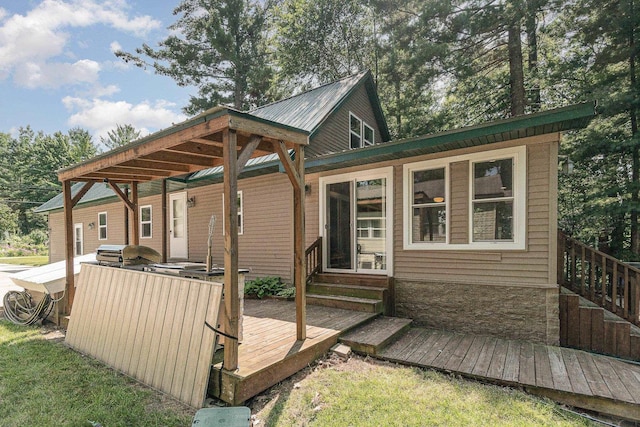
[[100, 193], [310, 109], [550, 121]]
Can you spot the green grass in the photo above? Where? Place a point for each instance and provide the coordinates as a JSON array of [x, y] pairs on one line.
[[35, 260], [361, 393], [44, 383]]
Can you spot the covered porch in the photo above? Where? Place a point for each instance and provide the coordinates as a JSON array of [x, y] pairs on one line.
[[219, 137]]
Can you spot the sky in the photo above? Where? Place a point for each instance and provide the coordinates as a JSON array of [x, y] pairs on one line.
[[58, 70]]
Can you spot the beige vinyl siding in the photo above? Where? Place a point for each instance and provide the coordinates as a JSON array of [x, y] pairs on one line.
[[333, 136], [115, 227], [155, 241], [459, 213], [266, 246], [312, 209], [513, 267]]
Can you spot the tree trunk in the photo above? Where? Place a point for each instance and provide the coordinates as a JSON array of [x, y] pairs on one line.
[[516, 74], [635, 155], [532, 41]]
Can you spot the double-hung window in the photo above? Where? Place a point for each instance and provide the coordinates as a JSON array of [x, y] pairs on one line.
[[145, 222], [491, 215], [426, 204], [102, 226], [492, 201]]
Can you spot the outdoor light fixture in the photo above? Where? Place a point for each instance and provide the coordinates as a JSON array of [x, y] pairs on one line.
[[191, 201], [438, 199], [92, 225]]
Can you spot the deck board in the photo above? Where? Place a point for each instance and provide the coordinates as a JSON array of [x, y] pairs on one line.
[[573, 377], [269, 351]]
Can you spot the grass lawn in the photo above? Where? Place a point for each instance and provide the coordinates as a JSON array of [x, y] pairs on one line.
[[43, 383], [364, 393], [25, 260]]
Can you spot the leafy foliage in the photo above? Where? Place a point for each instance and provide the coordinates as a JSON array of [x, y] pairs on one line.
[[268, 286], [216, 46], [121, 135]]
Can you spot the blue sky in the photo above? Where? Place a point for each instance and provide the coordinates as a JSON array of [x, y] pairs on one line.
[[58, 70]]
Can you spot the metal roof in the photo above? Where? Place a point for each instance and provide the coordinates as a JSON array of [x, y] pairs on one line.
[[100, 192], [310, 109]]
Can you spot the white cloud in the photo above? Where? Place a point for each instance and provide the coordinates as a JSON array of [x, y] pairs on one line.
[[115, 46], [43, 33], [56, 74], [101, 116]]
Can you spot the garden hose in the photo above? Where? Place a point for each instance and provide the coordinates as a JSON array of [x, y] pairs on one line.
[[20, 309]]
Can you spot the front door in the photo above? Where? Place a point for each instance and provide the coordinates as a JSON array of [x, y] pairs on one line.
[[178, 244], [356, 213]]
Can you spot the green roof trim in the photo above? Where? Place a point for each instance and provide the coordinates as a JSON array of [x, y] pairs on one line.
[[555, 120]]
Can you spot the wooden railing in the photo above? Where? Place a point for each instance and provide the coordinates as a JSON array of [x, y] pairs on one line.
[[313, 255], [601, 278]]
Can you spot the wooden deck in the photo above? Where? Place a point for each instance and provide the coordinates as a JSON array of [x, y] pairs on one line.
[[569, 376], [269, 351]]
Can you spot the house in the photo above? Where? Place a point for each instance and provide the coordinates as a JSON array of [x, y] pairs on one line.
[[462, 224]]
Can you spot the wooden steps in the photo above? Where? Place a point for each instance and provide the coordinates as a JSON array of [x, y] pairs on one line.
[[359, 292], [375, 335], [586, 326], [366, 305]]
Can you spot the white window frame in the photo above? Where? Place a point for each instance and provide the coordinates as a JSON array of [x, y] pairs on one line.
[[150, 222], [408, 171], [240, 214], [519, 156], [100, 227], [77, 227], [365, 141], [351, 132]]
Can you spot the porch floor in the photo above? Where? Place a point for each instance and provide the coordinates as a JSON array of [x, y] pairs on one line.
[[269, 351], [574, 377]]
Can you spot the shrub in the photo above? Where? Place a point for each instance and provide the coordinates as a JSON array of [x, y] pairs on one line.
[[268, 286]]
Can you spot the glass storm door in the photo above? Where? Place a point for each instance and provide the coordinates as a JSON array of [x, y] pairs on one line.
[[178, 225], [356, 214], [339, 216]]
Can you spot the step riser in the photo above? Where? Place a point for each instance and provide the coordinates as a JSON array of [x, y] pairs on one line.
[[324, 289], [373, 350], [371, 338], [586, 328], [348, 279], [346, 305]]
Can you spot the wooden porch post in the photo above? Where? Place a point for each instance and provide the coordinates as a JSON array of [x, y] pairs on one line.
[[68, 242], [135, 214], [299, 269], [295, 171], [126, 218], [231, 303], [164, 221]]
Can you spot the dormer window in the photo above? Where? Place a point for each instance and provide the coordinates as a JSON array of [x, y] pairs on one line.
[[360, 133]]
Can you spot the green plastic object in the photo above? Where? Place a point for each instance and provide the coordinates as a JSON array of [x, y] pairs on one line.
[[239, 416]]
